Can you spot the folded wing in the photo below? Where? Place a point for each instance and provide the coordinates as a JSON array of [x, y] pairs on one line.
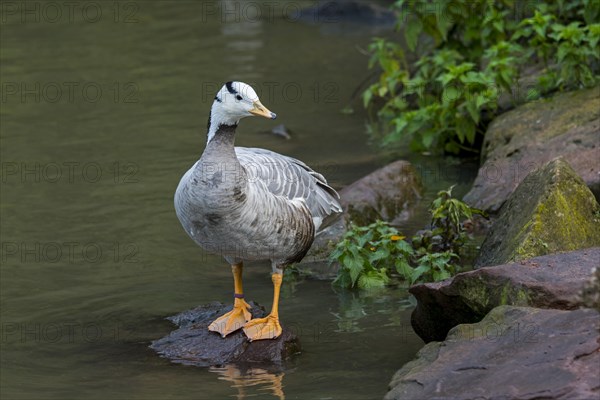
[[292, 179]]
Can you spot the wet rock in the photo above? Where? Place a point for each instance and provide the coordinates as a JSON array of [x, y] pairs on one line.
[[530, 135], [389, 194], [513, 353], [553, 281], [354, 11], [552, 210], [193, 344], [281, 131]]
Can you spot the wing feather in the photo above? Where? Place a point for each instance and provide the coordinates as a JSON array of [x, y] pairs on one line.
[[293, 179]]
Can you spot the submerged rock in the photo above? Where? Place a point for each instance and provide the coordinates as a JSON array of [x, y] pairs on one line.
[[389, 194], [348, 11], [525, 138], [552, 210], [513, 353], [553, 281], [194, 344], [281, 131]]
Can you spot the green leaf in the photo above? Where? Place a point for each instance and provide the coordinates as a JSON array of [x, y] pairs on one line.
[[564, 51], [403, 268], [427, 138], [411, 33], [382, 91], [380, 254], [440, 275], [443, 25], [404, 247], [371, 281], [418, 272], [591, 12], [354, 265], [336, 253], [473, 110], [367, 96], [465, 129], [452, 147], [451, 94]]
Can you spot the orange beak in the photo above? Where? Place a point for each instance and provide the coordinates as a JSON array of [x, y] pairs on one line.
[[262, 111]]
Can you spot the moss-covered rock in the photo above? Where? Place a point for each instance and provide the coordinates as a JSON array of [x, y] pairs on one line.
[[553, 281], [552, 210], [530, 135]]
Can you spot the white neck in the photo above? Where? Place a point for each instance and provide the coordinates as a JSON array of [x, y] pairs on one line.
[[218, 118]]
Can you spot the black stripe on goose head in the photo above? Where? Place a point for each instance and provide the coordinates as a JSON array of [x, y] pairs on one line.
[[230, 88]]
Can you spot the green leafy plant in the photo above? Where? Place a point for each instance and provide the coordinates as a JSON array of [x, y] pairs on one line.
[[371, 256], [470, 52], [447, 232], [367, 253], [435, 266]]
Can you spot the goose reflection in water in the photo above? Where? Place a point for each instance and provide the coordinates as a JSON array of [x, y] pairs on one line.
[[242, 379]]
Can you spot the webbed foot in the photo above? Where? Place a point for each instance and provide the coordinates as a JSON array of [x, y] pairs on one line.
[[263, 328], [233, 320]]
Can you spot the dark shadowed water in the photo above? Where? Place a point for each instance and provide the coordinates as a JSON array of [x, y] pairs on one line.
[[104, 106]]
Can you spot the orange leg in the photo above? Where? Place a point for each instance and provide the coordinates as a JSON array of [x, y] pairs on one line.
[[268, 327], [236, 318]]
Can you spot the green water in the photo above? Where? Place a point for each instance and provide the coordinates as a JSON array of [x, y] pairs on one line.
[[102, 110]]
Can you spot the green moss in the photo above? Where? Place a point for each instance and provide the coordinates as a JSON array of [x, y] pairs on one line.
[[550, 117], [560, 223], [523, 297], [476, 293], [551, 211]]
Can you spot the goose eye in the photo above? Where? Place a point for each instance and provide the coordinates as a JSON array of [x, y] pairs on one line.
[[238, 97]]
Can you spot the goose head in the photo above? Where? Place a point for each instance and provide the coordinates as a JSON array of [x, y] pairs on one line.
[[235, 100]]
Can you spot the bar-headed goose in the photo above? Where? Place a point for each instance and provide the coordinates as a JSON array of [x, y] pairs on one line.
[[251, 204]]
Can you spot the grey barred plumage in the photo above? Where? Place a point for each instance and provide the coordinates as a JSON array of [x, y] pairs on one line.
[[249, 203]]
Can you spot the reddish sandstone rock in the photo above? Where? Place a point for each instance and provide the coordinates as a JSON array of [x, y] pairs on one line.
[[513, 353]]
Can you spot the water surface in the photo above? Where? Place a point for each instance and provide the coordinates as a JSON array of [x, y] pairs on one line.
[[101, 115]]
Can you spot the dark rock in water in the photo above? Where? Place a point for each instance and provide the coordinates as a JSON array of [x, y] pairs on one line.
[[523, 139], [194, 344], [388, 194], [282, 131], [513, 353], [353, 11], [553, 281], [552, 210]]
